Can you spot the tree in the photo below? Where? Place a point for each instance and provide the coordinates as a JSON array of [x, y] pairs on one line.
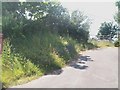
[[81, 25], [22, 18], [107, 30], [117, 18]]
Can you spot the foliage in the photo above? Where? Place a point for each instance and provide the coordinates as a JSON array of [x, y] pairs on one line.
[[117, 44], [27, 17], [117, 18], [36, 55], [101, 43], [107, 30], [14, 66], [80, 26], [39, 37]]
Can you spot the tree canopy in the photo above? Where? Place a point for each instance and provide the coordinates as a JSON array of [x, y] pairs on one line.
[[107, 30], [118, 14], [21, 18]]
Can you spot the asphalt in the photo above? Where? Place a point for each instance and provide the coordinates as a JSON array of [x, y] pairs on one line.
[[93, 69]]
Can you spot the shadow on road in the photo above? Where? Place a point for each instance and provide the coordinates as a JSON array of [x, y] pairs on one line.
[[76, 66], [56, 72], [80, 62]]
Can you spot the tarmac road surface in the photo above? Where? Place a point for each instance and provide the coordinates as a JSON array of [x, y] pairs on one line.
[[93, 69]]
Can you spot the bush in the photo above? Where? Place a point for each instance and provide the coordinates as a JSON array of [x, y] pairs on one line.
[[14, 66], [117, 44], [36, 54]]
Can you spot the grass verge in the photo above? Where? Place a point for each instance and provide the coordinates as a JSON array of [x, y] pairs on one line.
[[29, 57]]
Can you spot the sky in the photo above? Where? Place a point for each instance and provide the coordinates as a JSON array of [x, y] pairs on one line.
[[98, 11]]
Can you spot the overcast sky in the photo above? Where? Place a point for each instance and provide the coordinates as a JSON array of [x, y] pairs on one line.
[[98, 11]]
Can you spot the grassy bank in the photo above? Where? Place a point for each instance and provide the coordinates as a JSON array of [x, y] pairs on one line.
[[29, 57], [35, 55], [102, 43], [40, 37]]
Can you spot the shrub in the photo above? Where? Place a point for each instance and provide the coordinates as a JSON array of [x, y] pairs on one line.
[[14, 66], [117, 43], [36, 54]]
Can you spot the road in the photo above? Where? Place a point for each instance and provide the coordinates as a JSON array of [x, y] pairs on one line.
[[93, 69]]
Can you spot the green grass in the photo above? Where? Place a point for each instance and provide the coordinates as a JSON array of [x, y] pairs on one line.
[[15, 66], [35, 55], [102, 43], [28, 57], [117, 43]]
